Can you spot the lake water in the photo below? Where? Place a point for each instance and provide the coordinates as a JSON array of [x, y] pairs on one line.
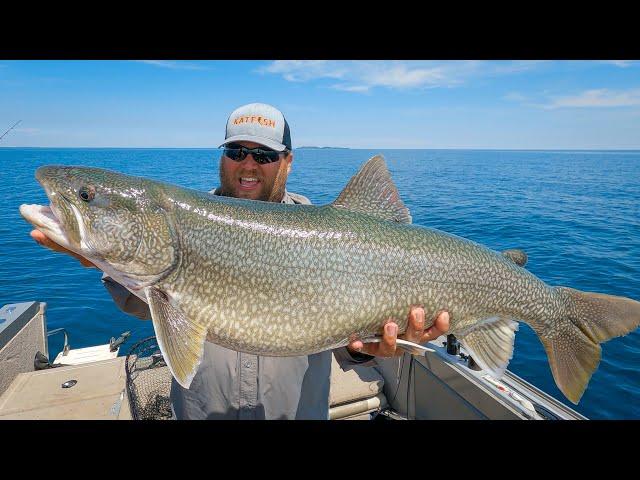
[[575, 213]]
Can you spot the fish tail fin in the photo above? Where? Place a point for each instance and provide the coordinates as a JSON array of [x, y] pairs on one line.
[[590, 319]]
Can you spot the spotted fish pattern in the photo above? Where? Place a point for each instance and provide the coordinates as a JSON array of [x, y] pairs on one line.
[[287, 280]]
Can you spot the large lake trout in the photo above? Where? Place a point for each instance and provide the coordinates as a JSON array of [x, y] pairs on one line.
[[279, 280]]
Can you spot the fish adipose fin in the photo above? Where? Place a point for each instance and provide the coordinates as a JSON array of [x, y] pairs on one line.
[[181, 341], [372, 191], [409, 347], [519, 257], [490, 343], [573, 349]]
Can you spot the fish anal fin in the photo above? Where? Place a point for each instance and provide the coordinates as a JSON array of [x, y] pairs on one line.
[[181, 341], [572, 367], [372, 191], [490, 343]]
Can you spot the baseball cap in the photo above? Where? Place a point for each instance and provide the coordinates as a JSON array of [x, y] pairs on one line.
[[259, 123]]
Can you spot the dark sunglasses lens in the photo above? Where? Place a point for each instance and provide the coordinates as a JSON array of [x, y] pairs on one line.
[[261, 156], [233, 153], [265, 156]]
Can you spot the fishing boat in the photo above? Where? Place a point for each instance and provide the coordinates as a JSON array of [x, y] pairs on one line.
[[102, 382]]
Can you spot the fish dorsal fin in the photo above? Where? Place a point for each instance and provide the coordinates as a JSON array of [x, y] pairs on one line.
[[181, 341], [373, 192], [519, 257], [490, 343]]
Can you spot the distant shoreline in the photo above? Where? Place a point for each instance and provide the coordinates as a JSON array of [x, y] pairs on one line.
[[323, 148]]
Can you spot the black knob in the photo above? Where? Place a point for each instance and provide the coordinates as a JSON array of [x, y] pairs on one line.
[[453, 347]]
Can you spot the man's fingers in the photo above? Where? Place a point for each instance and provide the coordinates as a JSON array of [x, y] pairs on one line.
[[414, 333], [84, 262], [415, 324], [440, 327], [36, 235], [387, 347], [441, 323], [45, 241], [42, 239]]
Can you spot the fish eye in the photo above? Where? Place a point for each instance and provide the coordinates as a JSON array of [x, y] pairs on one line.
[[86, 194]]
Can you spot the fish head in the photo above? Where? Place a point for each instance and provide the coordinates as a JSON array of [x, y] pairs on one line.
[[119, 222]]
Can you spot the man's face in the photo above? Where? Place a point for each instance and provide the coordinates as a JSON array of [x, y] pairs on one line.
[[251, 180]]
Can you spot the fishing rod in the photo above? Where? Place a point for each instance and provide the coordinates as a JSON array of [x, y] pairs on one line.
[[14, 125]]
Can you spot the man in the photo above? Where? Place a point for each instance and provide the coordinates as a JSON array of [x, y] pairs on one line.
[[255, 165]]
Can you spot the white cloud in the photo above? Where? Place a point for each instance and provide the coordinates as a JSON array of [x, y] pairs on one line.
[[352, 88], [173, 65], [515, 97], [621, 63], [304, 70], [406, 76], [518, 66], [598, 98], [363, 76]]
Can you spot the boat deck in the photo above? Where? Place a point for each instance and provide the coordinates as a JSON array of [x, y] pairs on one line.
[[98, 394]]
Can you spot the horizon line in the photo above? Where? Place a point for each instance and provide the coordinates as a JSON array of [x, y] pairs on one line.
[[347, 148]]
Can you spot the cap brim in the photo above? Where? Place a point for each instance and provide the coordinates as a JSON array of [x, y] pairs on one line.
[[267, 142]]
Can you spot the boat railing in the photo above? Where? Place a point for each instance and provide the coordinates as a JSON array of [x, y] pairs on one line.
[[66, 347]]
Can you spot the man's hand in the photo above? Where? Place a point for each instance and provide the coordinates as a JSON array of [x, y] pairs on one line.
[[415, 333], [45, 241]]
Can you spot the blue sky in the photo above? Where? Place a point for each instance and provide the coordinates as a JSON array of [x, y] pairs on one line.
[[358, 104]]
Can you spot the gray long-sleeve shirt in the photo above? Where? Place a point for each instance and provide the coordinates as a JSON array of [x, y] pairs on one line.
[[235, 385]]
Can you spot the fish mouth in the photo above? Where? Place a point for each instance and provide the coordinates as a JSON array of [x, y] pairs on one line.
[[46, 218]]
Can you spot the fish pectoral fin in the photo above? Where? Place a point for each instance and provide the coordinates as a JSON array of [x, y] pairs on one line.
[[373, 192], [409, 347], [517, 256], [490, 343], [181, 340]]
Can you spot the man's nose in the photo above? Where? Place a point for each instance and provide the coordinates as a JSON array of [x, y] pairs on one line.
[[249, 160]]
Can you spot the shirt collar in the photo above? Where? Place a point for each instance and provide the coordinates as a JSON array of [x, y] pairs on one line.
[[285, 199]]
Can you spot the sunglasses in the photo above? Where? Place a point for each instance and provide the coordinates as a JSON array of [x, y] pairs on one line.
[[238, 153]]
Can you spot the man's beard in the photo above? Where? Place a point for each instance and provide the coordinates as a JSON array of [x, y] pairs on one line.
[[227, 182], [270, 193], [279, 184]]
